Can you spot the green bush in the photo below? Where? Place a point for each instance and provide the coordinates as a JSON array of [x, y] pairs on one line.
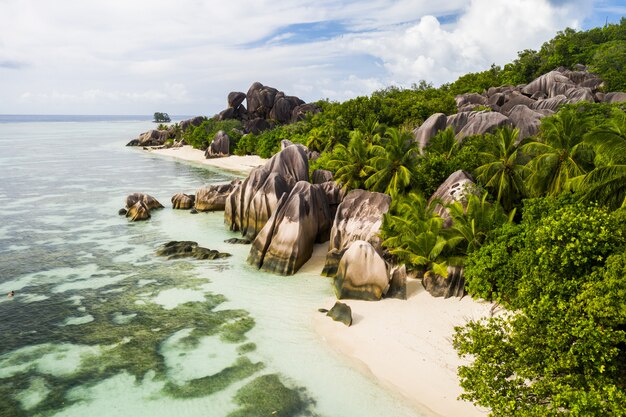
[[201, 136]]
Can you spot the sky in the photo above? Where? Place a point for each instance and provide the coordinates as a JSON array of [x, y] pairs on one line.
[[185, 56]]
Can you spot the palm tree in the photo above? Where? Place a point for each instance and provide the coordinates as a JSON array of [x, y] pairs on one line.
[[413, 233], [473, 221], [606, 183], [393, 163], [443, 143], [559, 155], [504, 171], [350, 163]]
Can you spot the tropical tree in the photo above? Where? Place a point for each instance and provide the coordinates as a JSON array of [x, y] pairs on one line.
[[413, 233], [606, 183], [503, 171], [393, 162], [559, 155], [473, 220], [350, 163]]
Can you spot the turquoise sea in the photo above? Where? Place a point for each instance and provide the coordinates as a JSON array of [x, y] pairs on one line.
[[100, 326]]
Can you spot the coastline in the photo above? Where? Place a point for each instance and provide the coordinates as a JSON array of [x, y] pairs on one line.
[[234, 163], [405, 344]]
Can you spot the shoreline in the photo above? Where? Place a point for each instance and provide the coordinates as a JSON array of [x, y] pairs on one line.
[[233, 164], [406, 345]]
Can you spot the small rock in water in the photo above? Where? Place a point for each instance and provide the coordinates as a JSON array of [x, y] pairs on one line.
[[341, 312], [183, 249], [322, 310], [193, 211], [237, 241], [122, 212]]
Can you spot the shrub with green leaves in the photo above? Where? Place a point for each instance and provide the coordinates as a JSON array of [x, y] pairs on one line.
[[201, 136]]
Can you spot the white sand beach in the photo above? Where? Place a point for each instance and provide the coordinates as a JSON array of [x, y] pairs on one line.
[[234, 163], [407, 345]]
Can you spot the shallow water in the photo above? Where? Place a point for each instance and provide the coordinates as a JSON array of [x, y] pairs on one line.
[[100, 326]]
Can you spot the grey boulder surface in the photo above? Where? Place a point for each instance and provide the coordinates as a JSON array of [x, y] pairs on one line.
[[362, 273], [219, 147], [358, 217], [213, 197]]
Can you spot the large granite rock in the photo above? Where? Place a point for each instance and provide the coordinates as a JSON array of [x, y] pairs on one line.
[[397, 283], [219, 147], [455, 188], [257, 125], [451, 286], [300, 112], [359, 217], [429, 129], [213, 197], [181, 201], [362, 273], [482, 122], [235, 98], [148, 200], [190, 123], [320, 176], [286, 242], [515, 99], [526, 120], [250, 206], [552, 83], [151, 138], [282, 110], [615, 97], [552, 103], [260, 100]]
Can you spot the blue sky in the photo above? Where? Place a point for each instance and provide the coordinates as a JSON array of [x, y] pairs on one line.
[[184, 57]]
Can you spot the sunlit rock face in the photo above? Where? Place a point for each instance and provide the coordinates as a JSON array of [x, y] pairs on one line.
[[302, 218], [249, 206], [362, 273], [213, 197], [359, 217]]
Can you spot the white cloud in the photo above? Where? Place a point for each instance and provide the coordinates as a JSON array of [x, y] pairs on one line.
[[129, 56]]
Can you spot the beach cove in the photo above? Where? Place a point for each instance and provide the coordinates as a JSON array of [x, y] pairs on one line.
[[101, 326], [405, 344]]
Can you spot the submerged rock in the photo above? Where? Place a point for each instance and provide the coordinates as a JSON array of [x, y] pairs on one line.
[[237, 241], [122, 212], [452, 286], [362, 273], [341, 312], [138, 206], [181, 201], [359, 217], [188, 249]]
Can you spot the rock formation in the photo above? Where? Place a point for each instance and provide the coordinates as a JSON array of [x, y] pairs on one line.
[[539, 98], [219, 147], [158, 137], [359, 217], [397, 283], [342, 313], [455, 188], [265, 106], [250, 205], [138, 206], [181, 201], [362, 273], [187, 249], [301, 219], [451, 286], [213, 197]]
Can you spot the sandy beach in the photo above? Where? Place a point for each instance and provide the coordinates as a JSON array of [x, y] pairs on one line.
[[407, 345], [233, 163]]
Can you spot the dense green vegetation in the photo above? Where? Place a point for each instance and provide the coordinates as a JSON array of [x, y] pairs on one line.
[[201, 136], [541, 233], [161, 117]]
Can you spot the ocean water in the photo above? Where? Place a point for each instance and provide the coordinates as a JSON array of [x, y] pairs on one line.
[[100, 326]]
